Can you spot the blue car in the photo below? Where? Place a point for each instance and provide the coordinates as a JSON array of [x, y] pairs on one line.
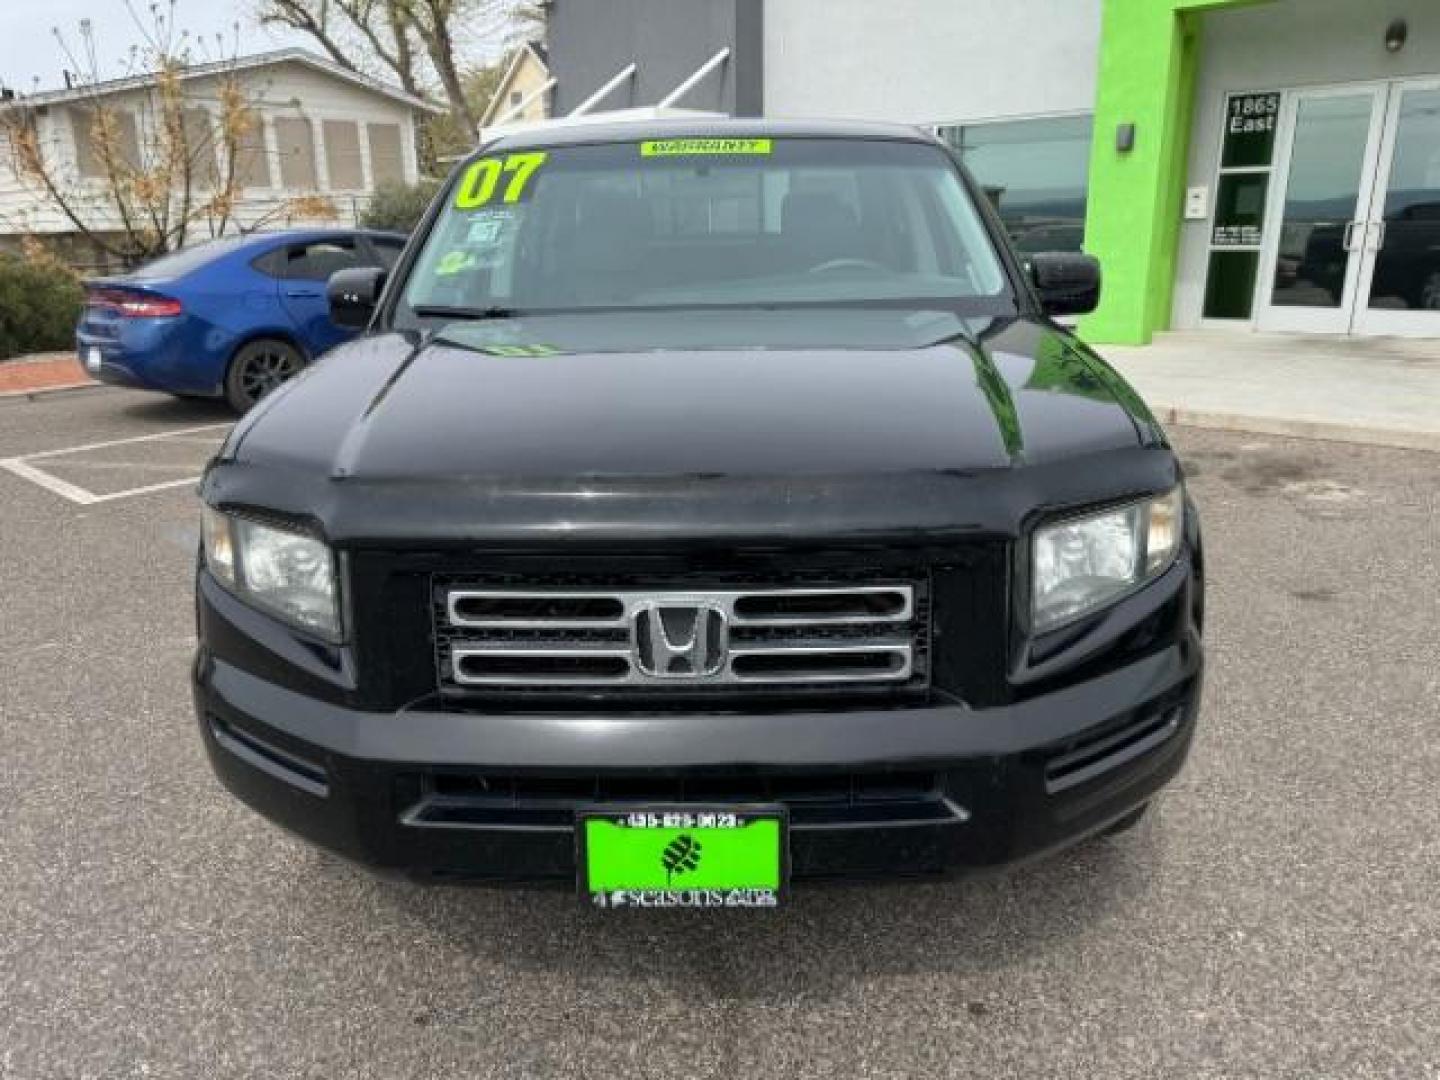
[[231, 318]]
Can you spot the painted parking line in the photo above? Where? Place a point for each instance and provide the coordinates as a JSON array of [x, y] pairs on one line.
[[25, 467]]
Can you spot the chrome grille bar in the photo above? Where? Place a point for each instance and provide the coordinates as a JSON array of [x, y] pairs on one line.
[[869, 603], [814, 635]]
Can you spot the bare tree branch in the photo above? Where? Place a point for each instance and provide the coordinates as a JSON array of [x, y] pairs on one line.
[[309, 17], [418, 42], [132, 189], [432, 22]]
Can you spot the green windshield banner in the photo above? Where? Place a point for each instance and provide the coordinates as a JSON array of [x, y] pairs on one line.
[[685, 147]]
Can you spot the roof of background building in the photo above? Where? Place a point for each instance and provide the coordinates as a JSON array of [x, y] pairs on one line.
[[498, 99], [223, 67]]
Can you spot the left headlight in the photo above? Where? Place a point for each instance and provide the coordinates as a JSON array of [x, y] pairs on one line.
[[291, 574], [1082, 564]]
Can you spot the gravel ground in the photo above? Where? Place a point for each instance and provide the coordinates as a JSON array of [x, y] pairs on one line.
[[1276, 918]]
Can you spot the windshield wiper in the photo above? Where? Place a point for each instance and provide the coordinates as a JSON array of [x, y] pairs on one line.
[[437, 311]]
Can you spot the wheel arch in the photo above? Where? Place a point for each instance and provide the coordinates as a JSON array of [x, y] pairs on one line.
[[266, 333]]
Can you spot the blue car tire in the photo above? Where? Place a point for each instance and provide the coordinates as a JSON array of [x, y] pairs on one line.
[[257, 368]]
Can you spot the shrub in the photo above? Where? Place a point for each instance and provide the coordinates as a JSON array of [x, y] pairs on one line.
[[399, 206], [40, 303]]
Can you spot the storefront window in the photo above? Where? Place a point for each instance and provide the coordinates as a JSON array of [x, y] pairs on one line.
[[1241, 192], [1035, 172], [1230, 285]]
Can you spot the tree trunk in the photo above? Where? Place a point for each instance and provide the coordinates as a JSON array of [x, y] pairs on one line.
[[434, 31]]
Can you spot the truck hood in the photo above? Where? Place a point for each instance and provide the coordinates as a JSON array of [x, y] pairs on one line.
[[614, 424]]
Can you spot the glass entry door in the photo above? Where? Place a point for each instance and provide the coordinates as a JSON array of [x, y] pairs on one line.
[[1317, 238], [1399, 286], [1354, 246]]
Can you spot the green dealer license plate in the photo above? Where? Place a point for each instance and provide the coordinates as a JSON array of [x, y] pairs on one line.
[[683, 856]]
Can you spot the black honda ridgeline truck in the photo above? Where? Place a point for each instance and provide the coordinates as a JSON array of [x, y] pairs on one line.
[[710, 505]]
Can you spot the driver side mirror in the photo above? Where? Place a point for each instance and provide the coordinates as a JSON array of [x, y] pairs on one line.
[[1067, 282], [353, 295]]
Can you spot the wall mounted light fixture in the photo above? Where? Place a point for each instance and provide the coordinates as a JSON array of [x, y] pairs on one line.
[[1395, 35]]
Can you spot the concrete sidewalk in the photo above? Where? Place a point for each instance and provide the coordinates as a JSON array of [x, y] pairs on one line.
[[1384, 391]]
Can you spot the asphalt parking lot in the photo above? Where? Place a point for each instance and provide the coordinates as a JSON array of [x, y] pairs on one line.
[[1278, 917]]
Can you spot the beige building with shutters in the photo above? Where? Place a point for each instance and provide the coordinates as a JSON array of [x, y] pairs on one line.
[[324, 132], [523, 94]]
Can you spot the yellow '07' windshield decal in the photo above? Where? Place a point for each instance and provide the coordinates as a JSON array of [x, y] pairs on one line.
[[482, 180], [684, 147]]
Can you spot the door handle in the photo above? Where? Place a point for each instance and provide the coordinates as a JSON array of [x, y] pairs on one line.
[[302, 293], [1347, 241], [1379, 235]]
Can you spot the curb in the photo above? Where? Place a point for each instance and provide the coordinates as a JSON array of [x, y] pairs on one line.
[[41, 357], [1320, 430]]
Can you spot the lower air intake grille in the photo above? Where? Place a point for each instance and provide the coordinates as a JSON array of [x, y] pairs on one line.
[[840, 800], [1093, 756]]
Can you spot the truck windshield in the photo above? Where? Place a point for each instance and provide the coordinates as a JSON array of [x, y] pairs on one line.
[[698, 222]]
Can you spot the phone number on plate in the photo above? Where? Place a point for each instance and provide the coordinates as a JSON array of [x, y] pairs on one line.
[[680, 819]]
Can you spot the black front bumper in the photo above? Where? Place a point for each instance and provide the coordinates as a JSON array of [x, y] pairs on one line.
[[466, 795]]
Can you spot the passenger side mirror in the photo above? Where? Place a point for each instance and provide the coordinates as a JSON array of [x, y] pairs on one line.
[[1067, 282], [353, 294]]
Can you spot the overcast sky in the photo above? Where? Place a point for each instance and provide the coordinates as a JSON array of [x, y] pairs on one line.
[[28, 47]]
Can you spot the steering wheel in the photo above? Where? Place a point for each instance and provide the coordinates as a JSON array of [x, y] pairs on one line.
[[848, 264]]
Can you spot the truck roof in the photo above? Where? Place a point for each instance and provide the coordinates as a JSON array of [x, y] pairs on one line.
[[703, 127]]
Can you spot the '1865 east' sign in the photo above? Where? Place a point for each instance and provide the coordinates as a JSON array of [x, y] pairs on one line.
[[1250, 129]]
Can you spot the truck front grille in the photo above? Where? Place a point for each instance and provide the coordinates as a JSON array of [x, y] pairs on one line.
[[681, 638]]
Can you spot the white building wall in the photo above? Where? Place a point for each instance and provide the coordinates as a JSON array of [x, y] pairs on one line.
[[930, 61], [1284, 45], [21, 208], [287, 89]]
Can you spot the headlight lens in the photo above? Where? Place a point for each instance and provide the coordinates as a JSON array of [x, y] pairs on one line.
[[289, 573], [1083, 564]]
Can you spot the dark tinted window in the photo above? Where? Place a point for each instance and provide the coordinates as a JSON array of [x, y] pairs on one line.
[[271, 263], [659, 223], [318, 260], [388, 250]]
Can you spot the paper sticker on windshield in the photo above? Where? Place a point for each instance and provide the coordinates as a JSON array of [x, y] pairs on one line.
[[505, 180], [686, 147], [486, 227], [454, 262]]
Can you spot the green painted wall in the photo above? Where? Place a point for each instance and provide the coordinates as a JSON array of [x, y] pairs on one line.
[[1149, 52]]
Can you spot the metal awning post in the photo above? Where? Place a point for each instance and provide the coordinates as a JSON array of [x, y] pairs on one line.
[[699, 73], [604, 91]]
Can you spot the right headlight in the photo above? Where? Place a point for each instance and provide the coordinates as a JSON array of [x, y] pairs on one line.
[[1082, 564], [289, 573]]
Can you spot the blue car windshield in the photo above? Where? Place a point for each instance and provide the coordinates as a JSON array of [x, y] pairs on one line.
[[676, 223]]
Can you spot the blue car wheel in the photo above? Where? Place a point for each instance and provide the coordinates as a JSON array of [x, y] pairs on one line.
[[258, 368]]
